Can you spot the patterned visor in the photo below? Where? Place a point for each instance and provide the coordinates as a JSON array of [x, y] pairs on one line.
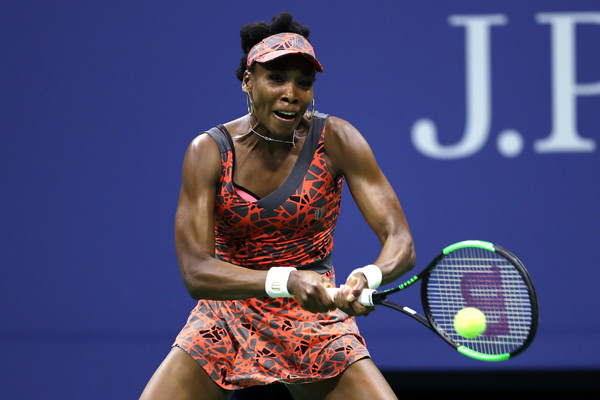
[[282, 44]]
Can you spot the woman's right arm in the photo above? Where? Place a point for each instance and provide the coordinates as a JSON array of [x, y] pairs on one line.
[[204, 276]]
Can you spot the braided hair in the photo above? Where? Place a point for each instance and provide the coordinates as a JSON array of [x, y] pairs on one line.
[[254, 32]]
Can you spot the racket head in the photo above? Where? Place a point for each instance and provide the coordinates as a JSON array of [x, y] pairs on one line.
[[490, 278]]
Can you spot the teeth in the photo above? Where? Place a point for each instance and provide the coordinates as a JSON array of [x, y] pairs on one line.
[[291, 114]]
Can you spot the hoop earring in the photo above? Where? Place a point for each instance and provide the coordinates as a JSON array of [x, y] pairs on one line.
[[249, 104], [312, 113]]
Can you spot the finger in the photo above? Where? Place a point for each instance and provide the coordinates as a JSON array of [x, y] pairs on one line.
[[328, 284], [327, 296], [354, 279], [348, 294], [361, 310]]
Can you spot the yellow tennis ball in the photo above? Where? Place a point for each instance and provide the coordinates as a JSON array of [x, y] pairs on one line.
[[469, 322]]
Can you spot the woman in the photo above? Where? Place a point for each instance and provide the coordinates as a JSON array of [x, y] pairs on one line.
[[254, 233]]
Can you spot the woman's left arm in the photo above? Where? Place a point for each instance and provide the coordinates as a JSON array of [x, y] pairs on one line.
[[349, 154]]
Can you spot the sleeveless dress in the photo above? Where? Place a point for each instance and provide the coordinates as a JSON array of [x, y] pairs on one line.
[[242, 343]]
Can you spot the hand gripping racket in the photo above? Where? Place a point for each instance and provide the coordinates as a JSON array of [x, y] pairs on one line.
[[476, 274]]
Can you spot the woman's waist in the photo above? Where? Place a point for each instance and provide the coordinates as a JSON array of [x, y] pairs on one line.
[[321, 264], [263, 253]]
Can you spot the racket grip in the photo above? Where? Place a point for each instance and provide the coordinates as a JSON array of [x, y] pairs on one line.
[[365, 298]]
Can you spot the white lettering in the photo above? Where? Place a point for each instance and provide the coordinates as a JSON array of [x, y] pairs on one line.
[[565, 89], [478, 93]]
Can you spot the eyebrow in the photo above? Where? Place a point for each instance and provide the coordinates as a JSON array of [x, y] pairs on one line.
[[271, 66], [312, 74]]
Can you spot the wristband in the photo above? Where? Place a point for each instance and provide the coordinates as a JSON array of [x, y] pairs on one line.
[[276, 282], [373, 274]]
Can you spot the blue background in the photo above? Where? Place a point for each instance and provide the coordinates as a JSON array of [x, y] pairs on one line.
[[100, 100]]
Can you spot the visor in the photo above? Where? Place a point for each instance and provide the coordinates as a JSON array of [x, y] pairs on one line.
[[282, 44]]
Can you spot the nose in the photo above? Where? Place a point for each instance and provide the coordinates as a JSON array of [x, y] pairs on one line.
[[289, 94]]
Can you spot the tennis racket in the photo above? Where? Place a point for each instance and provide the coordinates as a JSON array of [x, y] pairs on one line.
[[476, 274]]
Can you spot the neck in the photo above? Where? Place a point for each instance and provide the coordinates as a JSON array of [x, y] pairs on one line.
[[270, 139]]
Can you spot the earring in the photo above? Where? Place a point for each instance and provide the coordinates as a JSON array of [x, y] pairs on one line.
[[312, 113], [249, 104]]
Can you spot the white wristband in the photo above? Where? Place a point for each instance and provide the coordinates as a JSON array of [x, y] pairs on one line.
[[373, 274], [276, 282]]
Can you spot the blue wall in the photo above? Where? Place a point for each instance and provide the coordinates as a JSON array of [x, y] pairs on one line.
[[99, 102]]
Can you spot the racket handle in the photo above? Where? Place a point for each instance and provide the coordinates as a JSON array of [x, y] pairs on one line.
[[365, 298]]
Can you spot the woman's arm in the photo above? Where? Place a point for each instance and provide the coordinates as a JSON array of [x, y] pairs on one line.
[[206, 277], [350, 155]]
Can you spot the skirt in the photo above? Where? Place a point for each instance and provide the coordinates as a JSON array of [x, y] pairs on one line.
[[242, 343]]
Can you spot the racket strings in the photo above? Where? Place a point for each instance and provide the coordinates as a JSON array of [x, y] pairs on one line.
[[476, 277]]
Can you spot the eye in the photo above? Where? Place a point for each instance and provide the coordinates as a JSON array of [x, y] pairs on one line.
[[276, 78], [306, 83]]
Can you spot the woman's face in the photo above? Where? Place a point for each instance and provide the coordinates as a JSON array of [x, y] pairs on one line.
[[281, 91]]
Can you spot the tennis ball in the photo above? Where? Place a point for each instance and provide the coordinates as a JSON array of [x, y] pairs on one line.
[[469, 322]]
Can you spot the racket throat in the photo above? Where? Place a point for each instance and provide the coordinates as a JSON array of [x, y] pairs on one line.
[[406, 310]]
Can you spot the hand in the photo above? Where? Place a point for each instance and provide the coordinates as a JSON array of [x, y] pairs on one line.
[[347, 296], [310, 289]]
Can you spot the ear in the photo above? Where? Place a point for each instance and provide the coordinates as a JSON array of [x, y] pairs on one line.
[[247, 82]]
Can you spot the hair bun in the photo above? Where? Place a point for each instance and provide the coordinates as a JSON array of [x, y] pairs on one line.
[[253, 33], [281, 23]]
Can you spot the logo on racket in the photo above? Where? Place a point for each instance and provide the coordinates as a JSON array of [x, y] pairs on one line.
[[483, 290]]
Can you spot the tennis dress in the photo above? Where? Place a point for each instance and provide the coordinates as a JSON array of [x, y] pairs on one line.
[[258, 341]]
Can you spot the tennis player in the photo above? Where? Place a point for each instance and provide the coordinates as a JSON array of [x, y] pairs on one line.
[[254, 228]]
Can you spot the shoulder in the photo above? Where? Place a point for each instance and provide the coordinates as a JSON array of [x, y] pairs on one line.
[[337, 127], [202, 159], [343, 135], [345, 145], [202, 146]]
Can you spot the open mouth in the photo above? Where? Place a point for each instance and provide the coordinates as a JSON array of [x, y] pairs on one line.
[[286, 115]]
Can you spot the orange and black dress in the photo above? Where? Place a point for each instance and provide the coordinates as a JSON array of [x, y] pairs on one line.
[[242, 343]]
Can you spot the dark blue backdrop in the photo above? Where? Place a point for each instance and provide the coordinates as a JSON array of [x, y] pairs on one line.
[[99, 102]]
